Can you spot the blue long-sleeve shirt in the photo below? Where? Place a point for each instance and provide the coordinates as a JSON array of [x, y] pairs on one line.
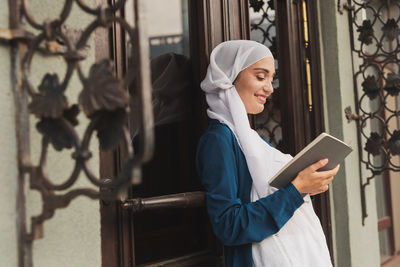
[[236, 221]]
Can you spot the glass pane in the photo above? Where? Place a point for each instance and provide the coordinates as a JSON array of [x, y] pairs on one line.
[[384, 244], [168, 31], [262, 20], [165, 234], [381, 196]]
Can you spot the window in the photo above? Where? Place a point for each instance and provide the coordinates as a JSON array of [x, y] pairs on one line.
[[377, 75]]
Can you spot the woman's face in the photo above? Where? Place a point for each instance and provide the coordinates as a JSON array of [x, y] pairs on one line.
[[254, 84]]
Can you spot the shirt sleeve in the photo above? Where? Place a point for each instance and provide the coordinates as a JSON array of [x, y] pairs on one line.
[[234, 222]]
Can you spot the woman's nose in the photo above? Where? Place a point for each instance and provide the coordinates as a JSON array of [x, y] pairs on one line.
[[269, 88]]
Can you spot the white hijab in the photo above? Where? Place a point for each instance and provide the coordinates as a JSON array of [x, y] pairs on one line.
[[227, 60]]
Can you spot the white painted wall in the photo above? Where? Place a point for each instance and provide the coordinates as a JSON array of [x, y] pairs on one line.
[[395, 183], [8, 162]]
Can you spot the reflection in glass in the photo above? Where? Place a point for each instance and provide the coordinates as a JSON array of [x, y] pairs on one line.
[[384, 244], [381, 196], [168, 27], [171, 83], [169, 233]]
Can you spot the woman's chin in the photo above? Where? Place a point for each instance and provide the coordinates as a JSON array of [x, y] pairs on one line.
[[256, 111]]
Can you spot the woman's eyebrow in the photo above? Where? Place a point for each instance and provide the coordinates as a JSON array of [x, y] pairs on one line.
[[266, 70]]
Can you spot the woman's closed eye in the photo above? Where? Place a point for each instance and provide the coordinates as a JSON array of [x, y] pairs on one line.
[[260, 78]]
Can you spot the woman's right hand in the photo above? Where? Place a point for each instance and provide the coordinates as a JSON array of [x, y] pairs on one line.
[[313, 182]]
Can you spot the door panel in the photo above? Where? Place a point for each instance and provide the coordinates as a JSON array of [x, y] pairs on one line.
[[165, 234]]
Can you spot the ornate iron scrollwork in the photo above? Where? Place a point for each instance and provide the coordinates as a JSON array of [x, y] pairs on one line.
[[104, 99], [377, 79], [263, 30]]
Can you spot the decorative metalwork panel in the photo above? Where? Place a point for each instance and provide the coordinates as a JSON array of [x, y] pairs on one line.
[[262, 22], [376, 50], [104, 99]]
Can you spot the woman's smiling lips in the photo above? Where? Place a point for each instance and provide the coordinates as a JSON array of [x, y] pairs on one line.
[[261, 98]]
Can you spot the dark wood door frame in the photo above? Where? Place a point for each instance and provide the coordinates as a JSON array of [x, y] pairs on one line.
[[115, 225], [300, 126]]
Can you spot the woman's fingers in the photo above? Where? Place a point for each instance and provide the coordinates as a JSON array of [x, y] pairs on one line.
[[336, 169], [319, 164], [316, 166], [312, 181], [327, 174], [330, 179]]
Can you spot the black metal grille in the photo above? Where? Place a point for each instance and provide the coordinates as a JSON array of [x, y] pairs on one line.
[[104, 99], [375, 46], [263, 30]]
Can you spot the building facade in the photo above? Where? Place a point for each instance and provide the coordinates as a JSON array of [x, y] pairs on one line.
[[102, 111]]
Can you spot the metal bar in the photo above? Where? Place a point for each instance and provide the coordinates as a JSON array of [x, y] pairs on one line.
[[305, 24], [15, 34], [145, 88], [308, 65], [205, 258], [48, 47], [309, 85], [182, 200], [21, 126]]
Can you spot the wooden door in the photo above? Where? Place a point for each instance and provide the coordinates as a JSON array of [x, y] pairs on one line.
[[166, 224]]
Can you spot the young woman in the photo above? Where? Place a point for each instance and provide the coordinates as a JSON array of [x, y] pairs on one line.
[[258, 224]]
